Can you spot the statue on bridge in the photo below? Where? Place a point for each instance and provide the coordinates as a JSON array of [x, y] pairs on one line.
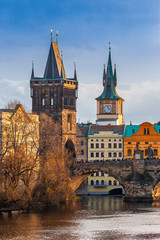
[[150, 151], [138, 154]]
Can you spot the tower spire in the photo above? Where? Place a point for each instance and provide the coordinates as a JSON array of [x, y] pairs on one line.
[[32, 74], [109, 67]]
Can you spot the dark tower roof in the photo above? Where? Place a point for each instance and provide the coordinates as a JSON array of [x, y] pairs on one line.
[[109, 82], [54, 67]]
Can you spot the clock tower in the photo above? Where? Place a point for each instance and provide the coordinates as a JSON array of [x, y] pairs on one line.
[[109, 103]]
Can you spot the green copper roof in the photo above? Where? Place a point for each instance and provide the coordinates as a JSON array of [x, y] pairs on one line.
[[157, 128], [109, 82], [130, 129]]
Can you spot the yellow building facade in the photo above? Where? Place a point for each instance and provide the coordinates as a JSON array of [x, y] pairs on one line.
[[104, 143]]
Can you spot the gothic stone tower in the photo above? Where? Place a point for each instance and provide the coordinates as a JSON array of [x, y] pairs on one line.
[[109, 103], [55, 95]]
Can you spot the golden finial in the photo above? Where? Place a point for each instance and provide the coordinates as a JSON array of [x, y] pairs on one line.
[[51, 34], [57, 36]]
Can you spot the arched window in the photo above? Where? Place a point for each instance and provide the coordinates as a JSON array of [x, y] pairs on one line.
[[109, 182], [102, 174], [155, 152], [133, 131], [97, 182], [114, 182], [97, 174], [144, 131], [129, 152], [92, 183], [102, 182], [147, 131]]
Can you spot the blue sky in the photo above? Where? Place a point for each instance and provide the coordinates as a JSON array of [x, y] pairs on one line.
[[85, 28]]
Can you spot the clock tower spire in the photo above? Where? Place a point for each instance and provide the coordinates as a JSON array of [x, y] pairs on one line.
[[109, 103]]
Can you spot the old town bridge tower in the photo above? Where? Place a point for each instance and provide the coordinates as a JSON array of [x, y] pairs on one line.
[[55, 95]]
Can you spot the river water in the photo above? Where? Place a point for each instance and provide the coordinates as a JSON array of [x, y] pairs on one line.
[[96, 218]]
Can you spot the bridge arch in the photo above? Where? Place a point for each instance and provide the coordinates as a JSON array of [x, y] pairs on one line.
[[85, 173]]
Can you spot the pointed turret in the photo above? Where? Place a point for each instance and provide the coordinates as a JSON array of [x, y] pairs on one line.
[[32, 74], [115, 76], [109, 81], [54, 64], [75, 72], [104, 75]]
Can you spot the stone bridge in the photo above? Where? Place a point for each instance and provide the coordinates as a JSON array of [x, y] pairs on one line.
[[140, 178]]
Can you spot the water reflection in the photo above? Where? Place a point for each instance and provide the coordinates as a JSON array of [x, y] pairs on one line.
[[91, 218]]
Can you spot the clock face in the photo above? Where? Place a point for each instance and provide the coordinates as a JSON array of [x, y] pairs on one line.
[[107, 108]]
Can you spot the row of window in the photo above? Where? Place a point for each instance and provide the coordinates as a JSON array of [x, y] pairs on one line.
[[102, 140], [110, 154], [97, 174], [110, 145], [102, 182], [67, 101]]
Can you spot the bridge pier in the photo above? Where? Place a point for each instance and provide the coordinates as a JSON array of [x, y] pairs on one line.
[[138, 189]]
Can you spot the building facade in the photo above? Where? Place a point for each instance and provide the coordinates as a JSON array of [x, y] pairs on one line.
[[145, 135], [105, 142], [55, 95], [82, 142], [102, 184]]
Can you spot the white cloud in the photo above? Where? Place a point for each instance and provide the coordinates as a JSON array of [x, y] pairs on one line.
[[21, 89]]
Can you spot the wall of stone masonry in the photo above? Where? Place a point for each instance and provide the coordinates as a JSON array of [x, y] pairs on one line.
[[139, 190]]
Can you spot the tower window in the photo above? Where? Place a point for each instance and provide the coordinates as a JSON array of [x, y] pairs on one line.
[[65, 101], [147, 131], [144, 131], [69, 121], [43, 102], [52, 101]]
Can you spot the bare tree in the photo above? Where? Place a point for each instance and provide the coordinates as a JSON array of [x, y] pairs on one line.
[[55, 163], [19, 152]]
